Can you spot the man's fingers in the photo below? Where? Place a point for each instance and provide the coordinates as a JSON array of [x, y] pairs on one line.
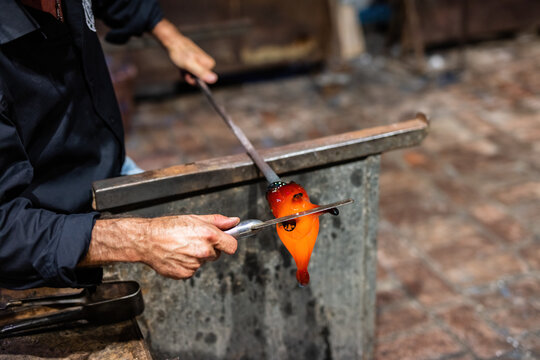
[[202, 56], [210, 77], [218, 254], [206, 60], [189, 79], [220, 240], [204, 73], [205, 252], [198, 63], [226, 243]]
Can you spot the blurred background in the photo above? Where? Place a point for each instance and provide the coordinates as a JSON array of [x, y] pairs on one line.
[[459, 228]]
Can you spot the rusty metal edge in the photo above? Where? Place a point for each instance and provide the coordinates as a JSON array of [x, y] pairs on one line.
[[229, 170]]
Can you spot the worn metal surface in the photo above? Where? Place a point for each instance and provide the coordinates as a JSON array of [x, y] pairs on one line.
[[248, 306], [185, 179]]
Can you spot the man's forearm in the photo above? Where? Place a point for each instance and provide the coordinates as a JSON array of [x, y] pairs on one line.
[[117, 240]]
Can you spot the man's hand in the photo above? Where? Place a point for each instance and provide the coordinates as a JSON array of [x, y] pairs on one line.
[[174, 246], [184, 53]]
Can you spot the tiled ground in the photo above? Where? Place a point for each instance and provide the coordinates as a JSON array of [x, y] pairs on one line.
[[459, 236]]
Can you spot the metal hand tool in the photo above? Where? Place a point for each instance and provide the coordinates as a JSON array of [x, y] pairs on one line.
[[103, 304], [252, 226]]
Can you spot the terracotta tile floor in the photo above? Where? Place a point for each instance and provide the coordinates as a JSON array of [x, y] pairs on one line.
[[459, 235]]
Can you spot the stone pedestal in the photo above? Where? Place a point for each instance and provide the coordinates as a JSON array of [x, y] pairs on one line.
[[249, 306]]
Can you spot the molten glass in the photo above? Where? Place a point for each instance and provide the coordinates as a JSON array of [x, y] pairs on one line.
[[298, 235]]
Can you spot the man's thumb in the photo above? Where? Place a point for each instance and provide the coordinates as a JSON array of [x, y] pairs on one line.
[[222, 222]]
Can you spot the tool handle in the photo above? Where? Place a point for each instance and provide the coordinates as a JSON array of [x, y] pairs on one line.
[[244, 229], [35, 324]]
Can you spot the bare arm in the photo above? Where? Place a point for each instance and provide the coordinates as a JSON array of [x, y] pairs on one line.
[[174, 246], [184, 53]]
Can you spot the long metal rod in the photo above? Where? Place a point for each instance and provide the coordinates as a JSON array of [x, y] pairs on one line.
[[269, 174]]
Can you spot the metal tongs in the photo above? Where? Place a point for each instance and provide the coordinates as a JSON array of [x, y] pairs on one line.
[[252, 226], [106, 303]]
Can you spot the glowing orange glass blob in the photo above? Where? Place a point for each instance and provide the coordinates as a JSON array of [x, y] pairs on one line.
[[298, 235]]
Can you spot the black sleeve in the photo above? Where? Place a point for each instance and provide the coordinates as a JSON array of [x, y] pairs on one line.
[[38, 247], [127, 17]]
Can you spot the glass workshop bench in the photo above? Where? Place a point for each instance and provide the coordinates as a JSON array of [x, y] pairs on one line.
[[249, 303]]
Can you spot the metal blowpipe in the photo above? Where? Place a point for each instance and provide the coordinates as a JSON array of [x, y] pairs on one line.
[[269, 174]]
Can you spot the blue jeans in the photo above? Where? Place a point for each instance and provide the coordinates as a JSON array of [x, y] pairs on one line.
[[130, 168]]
